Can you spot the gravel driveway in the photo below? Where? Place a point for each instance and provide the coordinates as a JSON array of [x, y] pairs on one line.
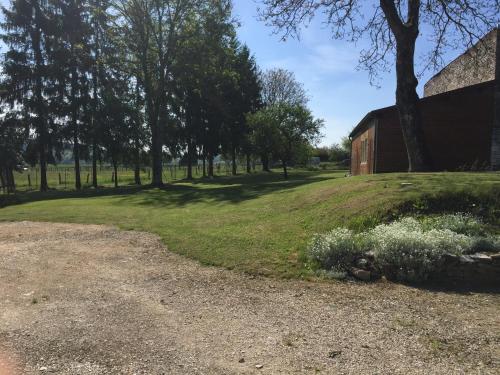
[[78, 299]]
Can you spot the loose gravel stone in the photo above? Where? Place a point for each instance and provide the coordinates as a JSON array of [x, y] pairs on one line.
[[116, 302]]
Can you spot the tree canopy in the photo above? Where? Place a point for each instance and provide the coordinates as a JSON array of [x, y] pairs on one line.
[[131, 82]]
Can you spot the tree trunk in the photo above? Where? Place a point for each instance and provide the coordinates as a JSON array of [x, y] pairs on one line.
[[12, 181], [233, 161], [41, 127], [406, 34], [115, 168], [249, 166], [190, 161], [156, 151], [76, 155], [210, 165], [204, 166], [7, 180], [137, 173], [43, 167], [153, 115], [285, 171], [95, 99], [74, 123], [3, 184], [94, 166], [265, 162], [409, 112]]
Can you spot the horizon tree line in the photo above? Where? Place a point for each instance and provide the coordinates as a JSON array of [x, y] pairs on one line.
[[132, 82]]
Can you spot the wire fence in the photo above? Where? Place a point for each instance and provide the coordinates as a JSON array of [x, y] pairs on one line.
[[62, 177]]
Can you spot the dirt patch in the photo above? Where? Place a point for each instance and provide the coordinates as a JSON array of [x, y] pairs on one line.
[[78, 299]]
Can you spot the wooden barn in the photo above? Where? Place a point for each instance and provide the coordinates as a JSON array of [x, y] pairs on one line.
[[460, 118]]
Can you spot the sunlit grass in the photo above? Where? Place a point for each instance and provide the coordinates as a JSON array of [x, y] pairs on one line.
[[254, 223]]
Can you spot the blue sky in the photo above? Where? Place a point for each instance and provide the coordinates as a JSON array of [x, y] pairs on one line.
[[339, 92]]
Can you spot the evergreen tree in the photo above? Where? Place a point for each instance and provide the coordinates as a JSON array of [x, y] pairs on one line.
[[71, 61], [13, 133], [28, 37], [104, 46]]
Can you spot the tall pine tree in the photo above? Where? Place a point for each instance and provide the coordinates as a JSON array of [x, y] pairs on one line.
[[27, 35]]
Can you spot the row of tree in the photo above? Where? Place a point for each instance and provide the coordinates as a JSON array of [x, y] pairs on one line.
[[134, 82], [339, 153], [391, 29]]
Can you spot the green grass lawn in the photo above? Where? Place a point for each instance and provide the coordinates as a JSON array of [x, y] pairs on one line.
[[253, 223]]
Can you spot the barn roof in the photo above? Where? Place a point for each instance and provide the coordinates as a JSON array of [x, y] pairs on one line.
[[377, 112], [495, 30], [369, 116]]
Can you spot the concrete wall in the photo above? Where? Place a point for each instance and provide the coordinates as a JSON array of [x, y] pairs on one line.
[[477, 65]]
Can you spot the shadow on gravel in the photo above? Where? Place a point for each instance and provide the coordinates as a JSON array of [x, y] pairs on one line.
[[457, 288]]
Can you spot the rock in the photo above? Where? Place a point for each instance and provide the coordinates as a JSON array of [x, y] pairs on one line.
[[334, 353], [370, 255], [483, 258], [450, 258], [361, 274], [465, 259], [362, 263], [495, 258], [259, 366], [43, 368], [375, 274], [241, 360]]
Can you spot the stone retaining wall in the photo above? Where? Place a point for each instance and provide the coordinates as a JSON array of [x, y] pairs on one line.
[[476, 269]]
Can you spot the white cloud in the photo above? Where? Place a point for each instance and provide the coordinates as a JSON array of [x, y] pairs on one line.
[[331, 59], [318, 60]]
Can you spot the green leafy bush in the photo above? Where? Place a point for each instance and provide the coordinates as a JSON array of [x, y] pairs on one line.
[[407, 249]]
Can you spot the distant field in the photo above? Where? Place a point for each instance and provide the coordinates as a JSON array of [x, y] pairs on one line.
[[62, 177], [254, 223]]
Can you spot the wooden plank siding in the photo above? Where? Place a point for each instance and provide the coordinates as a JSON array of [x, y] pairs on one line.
[[458, 128], [358, 166]]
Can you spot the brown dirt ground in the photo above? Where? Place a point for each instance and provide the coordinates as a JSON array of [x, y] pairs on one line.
[[78, 299]]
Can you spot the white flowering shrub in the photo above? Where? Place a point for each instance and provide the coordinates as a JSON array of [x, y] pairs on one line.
[[414, 255], [458, 223], [407, 249], [334, 250]]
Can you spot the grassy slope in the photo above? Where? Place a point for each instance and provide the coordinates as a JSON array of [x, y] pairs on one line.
[[257, 224]]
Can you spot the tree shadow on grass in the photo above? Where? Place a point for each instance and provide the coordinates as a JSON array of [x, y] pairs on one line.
[[231, 189], [222, 189]]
